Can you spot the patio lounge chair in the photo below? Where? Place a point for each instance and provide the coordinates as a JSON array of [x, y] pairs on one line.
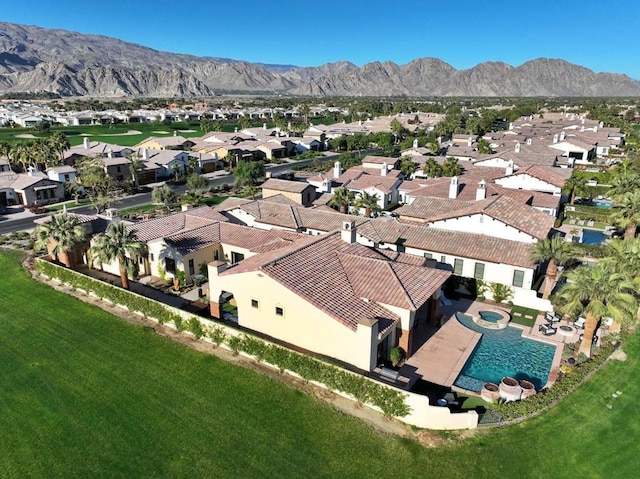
[[547, 329], [593, 341], [552, 317], [579, 323]]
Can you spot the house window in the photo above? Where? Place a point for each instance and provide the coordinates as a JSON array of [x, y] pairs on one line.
[[236, 257], [118, 169], [518, 278], [216, 255], [457, 267], [428, 255], [255, 304], [151, 257], [170, 265], [478, 272], [192, 268], [279, 311]]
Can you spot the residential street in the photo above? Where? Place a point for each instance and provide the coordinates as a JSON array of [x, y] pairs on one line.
[[25, 220]]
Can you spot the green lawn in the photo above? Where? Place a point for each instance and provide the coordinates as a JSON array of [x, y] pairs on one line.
[[84, 394], [524, 316]]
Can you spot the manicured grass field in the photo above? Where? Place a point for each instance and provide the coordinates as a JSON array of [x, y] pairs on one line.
[[83, 394]]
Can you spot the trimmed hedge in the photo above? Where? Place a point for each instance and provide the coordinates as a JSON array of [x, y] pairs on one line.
[[389, 400], [571, 379]]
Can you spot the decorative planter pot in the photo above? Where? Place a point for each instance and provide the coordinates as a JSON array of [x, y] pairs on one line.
[[528, 389], [510, 389], [490, 392]]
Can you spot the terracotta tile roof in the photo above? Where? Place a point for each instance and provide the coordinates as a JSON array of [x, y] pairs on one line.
[[425, 207], [507, 210], [342, 279], [253, 239], [556, 176], [293, 216], [174, 223], [466, 245]]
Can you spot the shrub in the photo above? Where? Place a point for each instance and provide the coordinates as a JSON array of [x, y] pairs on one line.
[[501, 292], [396, 355], [194, 326], [217, 335]]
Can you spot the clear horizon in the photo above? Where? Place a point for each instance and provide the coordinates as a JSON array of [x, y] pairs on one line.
[[459, 32]]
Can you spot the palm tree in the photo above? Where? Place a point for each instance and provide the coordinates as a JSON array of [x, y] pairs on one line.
[[450, 167], [369, 202], [556, 251], [627, 214], [119, 243], [342, 198], [432, 168], [163, 195], [597, 292], [574, 185], [59, 143], [407, 166], [59, 235], [624, 182], [135, 166]]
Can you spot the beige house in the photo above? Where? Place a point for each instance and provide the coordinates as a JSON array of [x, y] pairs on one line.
[[299, 192], [332, 296]]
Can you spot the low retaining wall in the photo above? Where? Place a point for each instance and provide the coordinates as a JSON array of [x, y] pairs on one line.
[[420, 412]]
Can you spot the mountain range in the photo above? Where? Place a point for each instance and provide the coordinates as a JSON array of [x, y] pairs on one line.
[[35, 60]]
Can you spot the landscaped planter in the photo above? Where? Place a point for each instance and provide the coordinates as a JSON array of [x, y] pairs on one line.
[[510, 389], [490, 392], [528, 389]]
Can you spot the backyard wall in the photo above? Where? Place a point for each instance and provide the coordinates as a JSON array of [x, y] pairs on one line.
[[421, 413]]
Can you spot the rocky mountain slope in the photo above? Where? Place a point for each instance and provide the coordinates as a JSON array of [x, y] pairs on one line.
[[34, 59]]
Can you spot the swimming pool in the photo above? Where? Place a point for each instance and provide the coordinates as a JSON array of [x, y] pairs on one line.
[[593, 236], [491, 316], [501, 353]]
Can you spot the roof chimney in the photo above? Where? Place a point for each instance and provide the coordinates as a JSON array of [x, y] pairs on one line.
[[85, 142], [337, 169], [145, 154], [529, 141], [601, 124], [385, 168], [109, 153], [326, 185], [469, 141], [348, 233], [555, 138], [481, 192], [31, 171], [562, 136], [509, 168], [453, 188], [518, 147], [415, 143], [175, 133], [264, 126]]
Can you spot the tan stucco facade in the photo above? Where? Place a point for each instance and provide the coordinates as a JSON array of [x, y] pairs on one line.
[[300, 323]]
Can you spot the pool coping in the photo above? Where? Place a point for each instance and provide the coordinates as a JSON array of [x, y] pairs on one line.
[[527, 334]]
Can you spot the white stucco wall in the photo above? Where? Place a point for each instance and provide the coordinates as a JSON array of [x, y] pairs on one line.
[[527, 182], [481, 223]]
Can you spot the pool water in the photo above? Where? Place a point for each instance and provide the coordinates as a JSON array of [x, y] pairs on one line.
[[593, 236], [501, 353], [602, 203], [491, 316]]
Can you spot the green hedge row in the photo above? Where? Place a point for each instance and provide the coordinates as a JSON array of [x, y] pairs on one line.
[[389, 400], [566, 384]]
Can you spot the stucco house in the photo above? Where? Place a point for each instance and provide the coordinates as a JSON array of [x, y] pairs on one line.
[[299, 192], [33, 188], [332, 296]]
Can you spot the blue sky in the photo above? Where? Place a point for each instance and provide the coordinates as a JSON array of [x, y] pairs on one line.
[[600, 35]]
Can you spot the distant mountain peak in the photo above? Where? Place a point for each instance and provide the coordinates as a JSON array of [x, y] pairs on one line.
[[35, 59]]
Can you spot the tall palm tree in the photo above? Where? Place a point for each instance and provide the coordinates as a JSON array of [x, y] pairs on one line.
[[556, 251], [432, 168], [597, 292], [59, 235], [574, 185], [163, 195], [119, 243], [626, 181], [451, 167], [59, 143], [627, 213], [135, 166], [369, 202], [407, 166], [342, 198]]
